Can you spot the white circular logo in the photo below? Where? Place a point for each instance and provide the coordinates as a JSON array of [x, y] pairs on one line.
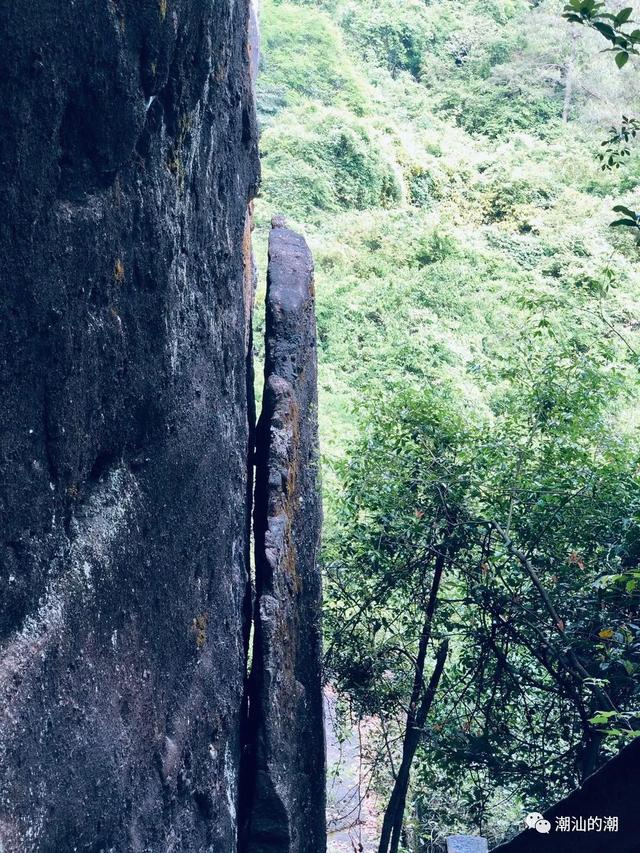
[[532, 819]]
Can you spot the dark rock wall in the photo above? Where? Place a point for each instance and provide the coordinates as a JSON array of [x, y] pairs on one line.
[[128, 158], [612, 792], [287, 812]]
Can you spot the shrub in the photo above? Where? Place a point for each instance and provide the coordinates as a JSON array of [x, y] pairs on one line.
[[392, 34], [498, 108], [333, 162], [303, 57]]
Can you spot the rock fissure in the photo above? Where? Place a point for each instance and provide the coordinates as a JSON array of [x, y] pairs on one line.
[[127, 433]]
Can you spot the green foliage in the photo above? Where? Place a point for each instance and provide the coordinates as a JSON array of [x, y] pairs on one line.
[[429, 477], [497, 109], [478, 340], [513, 199], [617, 144], [393, 34], [390, 516], [302, 57], [422, 186], [614, 26], [326, 160], [630, 218]]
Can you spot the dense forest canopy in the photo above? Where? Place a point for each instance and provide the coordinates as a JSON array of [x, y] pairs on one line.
[[455, 167]]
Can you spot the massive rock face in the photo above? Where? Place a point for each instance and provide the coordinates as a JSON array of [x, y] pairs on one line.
[[128, 154], [286, 804]]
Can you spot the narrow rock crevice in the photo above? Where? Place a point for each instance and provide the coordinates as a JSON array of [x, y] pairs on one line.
[[127, 433]]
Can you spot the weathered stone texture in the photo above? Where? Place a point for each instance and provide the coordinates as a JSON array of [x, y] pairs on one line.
[[287, 805], [128, 158]]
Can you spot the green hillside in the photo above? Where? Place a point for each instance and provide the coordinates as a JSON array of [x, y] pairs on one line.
[[441, 160], [421, 150]]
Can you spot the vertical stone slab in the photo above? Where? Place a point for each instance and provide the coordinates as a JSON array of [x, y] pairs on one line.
[[286, 715]]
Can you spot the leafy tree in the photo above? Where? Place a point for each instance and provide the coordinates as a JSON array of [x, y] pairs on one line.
[[333, 163], [497, 538], [613, 26], [617, 28], [401, 532], [394, 34]]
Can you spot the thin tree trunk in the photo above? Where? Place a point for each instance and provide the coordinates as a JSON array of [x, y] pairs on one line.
[[590, 758], [392, 824], [418, 684], [569, 78]]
